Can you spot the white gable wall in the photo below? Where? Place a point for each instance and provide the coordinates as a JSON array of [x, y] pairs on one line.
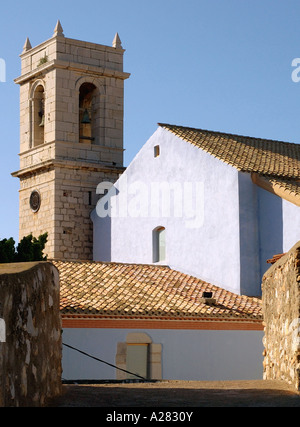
[[237, 227], [209, 248]]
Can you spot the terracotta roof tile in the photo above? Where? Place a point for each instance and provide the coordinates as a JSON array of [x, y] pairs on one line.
[[145, 291], [289, 186], [275, 259], [262, 156]]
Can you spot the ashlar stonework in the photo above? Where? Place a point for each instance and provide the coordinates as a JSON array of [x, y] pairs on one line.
[[71, 137]]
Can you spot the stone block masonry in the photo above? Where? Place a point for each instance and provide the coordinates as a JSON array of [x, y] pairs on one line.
[[30, 357], [281, 311], [71, 138]]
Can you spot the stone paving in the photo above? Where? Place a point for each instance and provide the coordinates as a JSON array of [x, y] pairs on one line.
[[180, 394]]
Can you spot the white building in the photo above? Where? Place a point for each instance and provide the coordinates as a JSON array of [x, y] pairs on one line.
[[194, 208], [155, 322], [213, 205], [195, 212]]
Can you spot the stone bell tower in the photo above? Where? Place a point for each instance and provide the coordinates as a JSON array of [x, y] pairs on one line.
[[71, 138]]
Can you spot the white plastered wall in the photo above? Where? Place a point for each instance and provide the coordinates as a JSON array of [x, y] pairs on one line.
[[186, 354], [291, 225], [205, 245]]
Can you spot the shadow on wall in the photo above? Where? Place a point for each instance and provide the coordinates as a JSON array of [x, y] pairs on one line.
[[270, 217], [101, 245], [261, 233]]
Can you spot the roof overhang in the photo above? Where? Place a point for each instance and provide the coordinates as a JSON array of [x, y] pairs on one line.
[[276, 186], [132, 322]]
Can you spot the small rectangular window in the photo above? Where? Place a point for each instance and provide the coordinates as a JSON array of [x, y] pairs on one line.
[[156, 151]]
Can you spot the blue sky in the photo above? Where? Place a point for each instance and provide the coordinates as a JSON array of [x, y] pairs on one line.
[[223, 65]]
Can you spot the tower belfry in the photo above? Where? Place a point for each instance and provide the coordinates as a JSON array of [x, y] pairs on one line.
[[71, 137]]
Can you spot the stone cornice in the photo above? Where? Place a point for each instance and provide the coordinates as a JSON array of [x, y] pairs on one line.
[[66, 164], [70, 41], [72, 66], [91, 147]]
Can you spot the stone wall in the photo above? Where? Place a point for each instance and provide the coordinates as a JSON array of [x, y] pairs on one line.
[[38, 222], [281, 303], [75, 199], [30, 357]]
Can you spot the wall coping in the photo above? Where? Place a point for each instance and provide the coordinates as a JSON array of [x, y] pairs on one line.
[[282, 260], [19, 267]]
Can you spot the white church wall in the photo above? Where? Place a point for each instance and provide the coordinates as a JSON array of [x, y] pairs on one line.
[[249, 237], [270, 217], [291, 225], [202, 231], [186, 355], [101, 238]]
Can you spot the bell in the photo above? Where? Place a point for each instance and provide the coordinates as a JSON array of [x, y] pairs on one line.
[[42, 124], [86, 117]]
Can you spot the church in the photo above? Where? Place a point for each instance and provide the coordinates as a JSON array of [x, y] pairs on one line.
[[213, 205], [161, 262]]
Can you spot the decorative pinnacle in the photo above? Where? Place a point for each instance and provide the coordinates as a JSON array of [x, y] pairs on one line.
[[27, 46], [58, 30], [117, 42]]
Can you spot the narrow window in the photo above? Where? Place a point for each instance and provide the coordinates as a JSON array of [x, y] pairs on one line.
[[159, 244], [156, 151]]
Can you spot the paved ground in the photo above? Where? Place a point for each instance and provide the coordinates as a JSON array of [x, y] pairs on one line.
[[180, 394]]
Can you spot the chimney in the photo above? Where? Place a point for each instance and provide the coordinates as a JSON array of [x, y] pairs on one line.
[[207, 298]]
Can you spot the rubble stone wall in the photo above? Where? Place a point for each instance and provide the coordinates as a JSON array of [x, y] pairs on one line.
[[281, 304], [31, 346]]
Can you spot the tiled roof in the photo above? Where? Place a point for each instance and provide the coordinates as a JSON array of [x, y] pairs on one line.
[[145, 291], [288, 189], [265, 157], [288, 186]]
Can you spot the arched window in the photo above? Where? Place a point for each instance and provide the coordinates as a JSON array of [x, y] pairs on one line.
[[39, 116], [86, 112], [159, 244]]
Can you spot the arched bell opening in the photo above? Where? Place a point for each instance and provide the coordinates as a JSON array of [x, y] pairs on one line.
[[87, 95], [39, 116]]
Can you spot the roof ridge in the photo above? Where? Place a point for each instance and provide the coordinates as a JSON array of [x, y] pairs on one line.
[[172, 270], [134, 264], [227, 134], [246, 154]]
